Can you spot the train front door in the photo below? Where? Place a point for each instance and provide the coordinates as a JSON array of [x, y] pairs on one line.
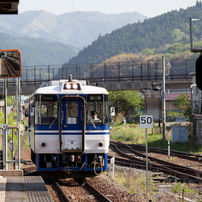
[[71, 126]]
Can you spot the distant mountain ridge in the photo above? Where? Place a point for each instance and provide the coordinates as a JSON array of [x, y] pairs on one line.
[[38, 51], [76, 28], [153, 33]]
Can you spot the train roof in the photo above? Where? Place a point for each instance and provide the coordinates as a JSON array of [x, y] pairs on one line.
[[59, 87]]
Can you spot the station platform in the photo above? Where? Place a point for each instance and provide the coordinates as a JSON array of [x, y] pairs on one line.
[[15, 187]]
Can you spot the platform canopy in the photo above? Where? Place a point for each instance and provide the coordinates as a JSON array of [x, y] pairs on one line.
[[9, 6]]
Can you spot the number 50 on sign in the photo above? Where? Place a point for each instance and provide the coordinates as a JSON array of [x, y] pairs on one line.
[[146, 121]]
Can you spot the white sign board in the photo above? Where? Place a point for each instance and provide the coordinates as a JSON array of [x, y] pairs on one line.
[[146, 121], [71, 120]]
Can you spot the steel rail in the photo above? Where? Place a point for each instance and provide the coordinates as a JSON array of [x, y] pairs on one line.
[[189, 156], [185, 155], [9, 68], [58, 187], [167, 166], [97, 193], [155, 168]]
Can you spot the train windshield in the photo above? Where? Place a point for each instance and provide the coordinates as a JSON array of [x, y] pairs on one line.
[[46, 109], [97, 109]]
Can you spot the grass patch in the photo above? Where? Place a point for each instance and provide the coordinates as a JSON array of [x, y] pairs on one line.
[[182, 187], [134, 182], [133, 134]]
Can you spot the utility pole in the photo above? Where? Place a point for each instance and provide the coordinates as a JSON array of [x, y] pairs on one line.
[[163, 101], [5, 101], [18, 100], [5, 126]]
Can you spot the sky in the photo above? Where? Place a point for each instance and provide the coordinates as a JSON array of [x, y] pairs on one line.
[[149, 8]]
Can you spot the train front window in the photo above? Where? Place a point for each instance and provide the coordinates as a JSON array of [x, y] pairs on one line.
[[72, 113], [97, 109], [46, 109]]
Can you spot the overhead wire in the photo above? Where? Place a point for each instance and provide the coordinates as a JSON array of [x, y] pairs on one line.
[[48, 45], [35, 51], [40, 32]]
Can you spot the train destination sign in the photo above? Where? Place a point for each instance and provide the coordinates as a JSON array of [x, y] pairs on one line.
[[10, 63]]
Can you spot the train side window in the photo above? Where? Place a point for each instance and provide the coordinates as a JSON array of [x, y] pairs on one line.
[[72, 113], [46, 109], [99, 104]]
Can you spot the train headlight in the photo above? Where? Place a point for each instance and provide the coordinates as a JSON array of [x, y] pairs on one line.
[[71, 86], [68, 85], [100, 144], [75, 86]]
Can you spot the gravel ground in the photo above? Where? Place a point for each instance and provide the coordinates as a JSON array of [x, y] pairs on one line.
[[112, 189], [103, 183], [194, 190]]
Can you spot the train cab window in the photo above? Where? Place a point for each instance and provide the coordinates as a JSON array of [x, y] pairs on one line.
[[97, 109], [46, 109], [72, 113]]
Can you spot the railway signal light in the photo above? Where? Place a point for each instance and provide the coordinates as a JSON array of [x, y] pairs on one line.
[[199, 72], [112, 109]]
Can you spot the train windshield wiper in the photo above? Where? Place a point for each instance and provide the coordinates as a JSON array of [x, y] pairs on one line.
[[52, 123], [92, 122]]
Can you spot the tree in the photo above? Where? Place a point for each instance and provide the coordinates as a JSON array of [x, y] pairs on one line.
[[126, 100], [182, 103], [148, 51]]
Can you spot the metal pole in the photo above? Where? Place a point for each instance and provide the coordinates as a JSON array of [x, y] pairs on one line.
[[156, 71], [17, 104], [119, 71], [168, 149], [48, 72], [146, 158], [5, 101], [141, 71], [35, 75], [76, 71], [186, 69], [62, 71], [5, 131], [163, 100], [191, 40], [18, 148]]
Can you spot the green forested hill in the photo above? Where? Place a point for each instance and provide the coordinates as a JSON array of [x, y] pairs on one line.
[[169, 28]]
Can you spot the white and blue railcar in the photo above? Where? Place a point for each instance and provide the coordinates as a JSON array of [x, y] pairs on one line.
[[65, 140]]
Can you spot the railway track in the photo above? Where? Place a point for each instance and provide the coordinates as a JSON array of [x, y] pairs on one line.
[[92, 193], [9, 68], [60, 190], [184, 155], [154, 164]]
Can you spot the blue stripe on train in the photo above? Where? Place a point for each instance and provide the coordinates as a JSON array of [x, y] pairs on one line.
[[85, 168]]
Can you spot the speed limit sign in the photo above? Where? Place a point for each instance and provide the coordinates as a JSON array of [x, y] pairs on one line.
[[146, 121]]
